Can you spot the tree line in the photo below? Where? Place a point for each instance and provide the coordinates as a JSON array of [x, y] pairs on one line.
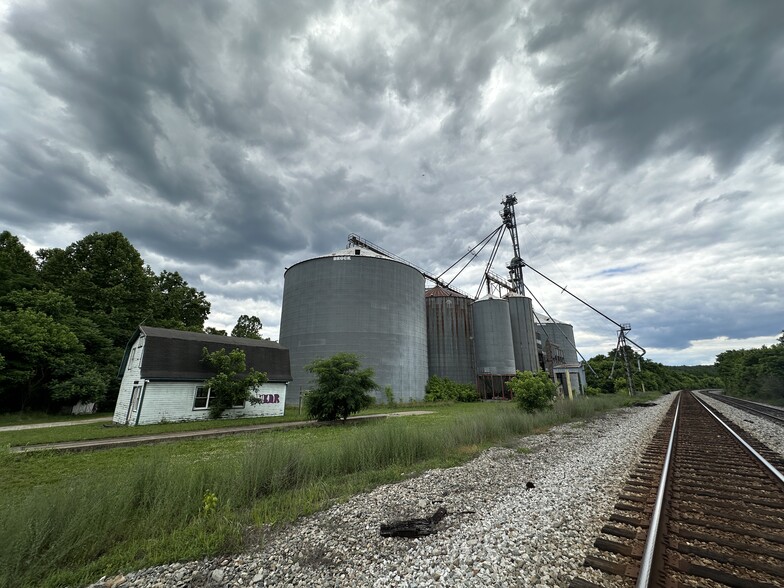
[[607, 374], [756, 373], [66, 316]]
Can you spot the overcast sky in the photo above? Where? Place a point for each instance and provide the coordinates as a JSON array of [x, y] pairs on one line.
[[229, 140]]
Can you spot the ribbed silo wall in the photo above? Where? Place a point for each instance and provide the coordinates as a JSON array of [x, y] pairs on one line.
[[521, 315], [370, 306], [493, 345], [450, 337], [562, 335]]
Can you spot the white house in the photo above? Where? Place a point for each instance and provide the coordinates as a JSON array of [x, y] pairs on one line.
[[163, 377]]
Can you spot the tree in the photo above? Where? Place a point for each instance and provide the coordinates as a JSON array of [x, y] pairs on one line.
[[176, 305], [532, 391], [248, 327], [214, 331], [106, 278], [18, 269], [233, 383], [342, 387]]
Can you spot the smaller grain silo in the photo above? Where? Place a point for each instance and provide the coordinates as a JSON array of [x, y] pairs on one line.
[[521, 315], [559, 334], [493, 346], [450, 335]]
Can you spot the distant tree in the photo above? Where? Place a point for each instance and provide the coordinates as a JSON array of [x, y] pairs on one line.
[[531, 391], [248, 327], [176, 305], [233, 383], [342, 387], [214, 331]]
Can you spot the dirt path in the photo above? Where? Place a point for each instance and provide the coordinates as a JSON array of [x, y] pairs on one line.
[[55, 424]]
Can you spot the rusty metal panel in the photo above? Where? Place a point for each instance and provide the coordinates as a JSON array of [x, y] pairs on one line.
[[450, 331]]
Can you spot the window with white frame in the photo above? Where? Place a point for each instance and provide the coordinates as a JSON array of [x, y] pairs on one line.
[[202, 397], [201, 400]]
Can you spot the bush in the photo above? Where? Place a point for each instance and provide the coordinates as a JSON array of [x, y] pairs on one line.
[[532, 391], [341, 387], [445, 390], [592, 391]]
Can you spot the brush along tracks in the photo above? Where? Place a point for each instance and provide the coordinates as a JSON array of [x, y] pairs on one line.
[[717, 521]]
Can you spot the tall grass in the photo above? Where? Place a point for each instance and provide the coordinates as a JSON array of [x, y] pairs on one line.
[[153, 512]]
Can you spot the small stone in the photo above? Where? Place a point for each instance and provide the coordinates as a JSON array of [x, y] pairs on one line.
[[217, 576]]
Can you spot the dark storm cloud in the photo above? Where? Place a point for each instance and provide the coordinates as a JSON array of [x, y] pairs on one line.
[[640, 78]]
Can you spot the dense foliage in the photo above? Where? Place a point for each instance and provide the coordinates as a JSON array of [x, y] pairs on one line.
[[233, 383], [757, 373], [608, 374], [440, 389], [248, 327], [532, 391], [67, 314], [342, 387]]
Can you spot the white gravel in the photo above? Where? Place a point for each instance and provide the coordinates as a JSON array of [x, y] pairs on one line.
[[766, 431], [514, 537]]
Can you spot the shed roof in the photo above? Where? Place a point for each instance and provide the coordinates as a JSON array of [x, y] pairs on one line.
[[170, 354]]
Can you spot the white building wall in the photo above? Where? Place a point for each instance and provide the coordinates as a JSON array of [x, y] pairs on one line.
[[173, 402], [132, 374]]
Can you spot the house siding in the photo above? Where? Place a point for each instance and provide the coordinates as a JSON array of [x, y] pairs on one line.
[[173, 401], [131, 377]]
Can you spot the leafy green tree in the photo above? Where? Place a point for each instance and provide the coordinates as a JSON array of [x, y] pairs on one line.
[[37, 351], [531, 391], [248, 327], [18, 269], [342, 387], [233, 383], [176, 305], [214, 331], [106, 278]]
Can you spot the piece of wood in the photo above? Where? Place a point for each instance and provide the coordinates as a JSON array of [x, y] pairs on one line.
[[414, 527]]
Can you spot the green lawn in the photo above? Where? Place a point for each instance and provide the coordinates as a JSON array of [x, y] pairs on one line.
[[108, 430], [69, 518], [34, 418]]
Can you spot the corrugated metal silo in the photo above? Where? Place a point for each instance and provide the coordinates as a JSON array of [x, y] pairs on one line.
[[493, 344], [359, 302], [560, 334], [450, 334], [521, 314]]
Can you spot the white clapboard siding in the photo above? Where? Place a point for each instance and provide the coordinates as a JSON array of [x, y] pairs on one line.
[[131, 377]]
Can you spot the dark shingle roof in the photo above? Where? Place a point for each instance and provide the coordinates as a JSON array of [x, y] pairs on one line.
[[176, 355]]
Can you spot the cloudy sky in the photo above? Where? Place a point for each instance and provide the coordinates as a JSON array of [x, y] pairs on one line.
[[229, 140]]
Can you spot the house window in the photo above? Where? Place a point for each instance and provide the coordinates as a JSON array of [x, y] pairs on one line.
[[201, 400], [131, 358]]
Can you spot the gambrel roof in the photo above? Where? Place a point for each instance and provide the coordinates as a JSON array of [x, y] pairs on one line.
[[170, 354]]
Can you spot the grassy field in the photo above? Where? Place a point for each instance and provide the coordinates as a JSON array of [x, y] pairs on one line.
[[69, 518], [107, 430]]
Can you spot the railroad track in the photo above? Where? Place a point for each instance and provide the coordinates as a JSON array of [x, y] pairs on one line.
[[769, 412], [717, 519]]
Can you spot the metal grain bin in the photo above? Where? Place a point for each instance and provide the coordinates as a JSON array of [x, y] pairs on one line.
[[521, 315], [560, 334], [450, 335], [493, 345], [359, 302]]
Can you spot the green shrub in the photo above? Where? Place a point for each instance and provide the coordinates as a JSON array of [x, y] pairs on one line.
[[440, 389], [592, 391], [341, 387], [532, 391]]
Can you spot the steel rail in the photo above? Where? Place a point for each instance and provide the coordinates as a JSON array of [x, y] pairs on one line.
[[646, 564], [749, 406], [771, 468]]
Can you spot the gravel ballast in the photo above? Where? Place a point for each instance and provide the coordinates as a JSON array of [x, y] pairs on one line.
[[498, 532]]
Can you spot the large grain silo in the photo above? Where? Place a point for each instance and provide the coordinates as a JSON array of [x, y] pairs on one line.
[[450, 335], [560, 334], [493, 346], [360, 302], [521, 315]]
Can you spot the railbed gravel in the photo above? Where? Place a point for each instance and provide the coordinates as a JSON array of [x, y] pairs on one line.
[[763, 429], [497, 533]]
